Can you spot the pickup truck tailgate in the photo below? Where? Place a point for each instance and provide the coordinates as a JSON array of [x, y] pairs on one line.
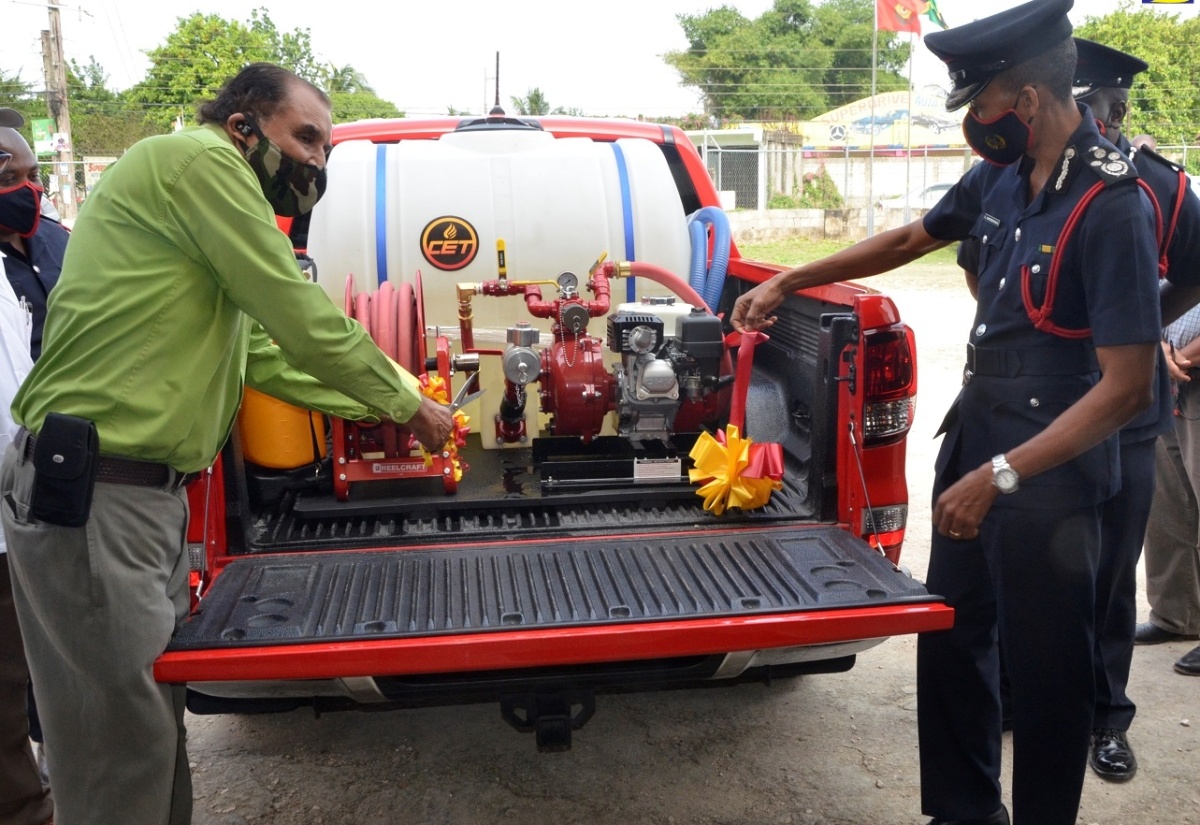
[[500, 604]]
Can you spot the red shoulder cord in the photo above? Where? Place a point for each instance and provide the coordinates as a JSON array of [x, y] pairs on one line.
[[1041, 315], [1180, 192]]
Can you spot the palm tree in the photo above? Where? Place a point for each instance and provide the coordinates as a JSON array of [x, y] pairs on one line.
[[534, 103], [345, 79]]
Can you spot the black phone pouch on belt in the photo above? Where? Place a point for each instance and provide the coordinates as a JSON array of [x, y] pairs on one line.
[[64, 460]]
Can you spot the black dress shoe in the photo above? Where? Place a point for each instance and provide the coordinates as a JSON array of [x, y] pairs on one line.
[[1189, 665], [1148, 633], [998, 818], [1111, 757]]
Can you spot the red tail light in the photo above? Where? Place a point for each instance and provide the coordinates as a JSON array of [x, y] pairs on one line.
[[890, 382]]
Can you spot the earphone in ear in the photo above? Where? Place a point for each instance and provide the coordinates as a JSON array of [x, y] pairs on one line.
[[245, 129]]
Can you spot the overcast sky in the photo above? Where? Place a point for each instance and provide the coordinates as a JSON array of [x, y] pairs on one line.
[[601, 57]]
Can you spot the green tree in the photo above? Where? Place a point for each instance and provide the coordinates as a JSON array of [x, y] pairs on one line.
[[1165, 99], [350, 106], [793, 62], [847, 28], [17, 94], [102, 121], [336, 79], [292, 50], [534, 103], [203, 52]]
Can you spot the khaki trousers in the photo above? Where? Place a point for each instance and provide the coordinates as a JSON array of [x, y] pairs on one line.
[[1172, 549], [23, 800], [97, 604]]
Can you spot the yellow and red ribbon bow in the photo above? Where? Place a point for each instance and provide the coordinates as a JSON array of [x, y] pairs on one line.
[[734, 471], [435, 387]]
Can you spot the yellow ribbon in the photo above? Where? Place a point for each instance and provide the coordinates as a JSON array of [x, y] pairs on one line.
[[720, 468], [435, 387]]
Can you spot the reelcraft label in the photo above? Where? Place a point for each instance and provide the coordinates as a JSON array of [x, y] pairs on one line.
[[398, 467], [657, 468]]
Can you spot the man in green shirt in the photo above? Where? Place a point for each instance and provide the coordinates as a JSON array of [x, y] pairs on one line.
[[177, 289]]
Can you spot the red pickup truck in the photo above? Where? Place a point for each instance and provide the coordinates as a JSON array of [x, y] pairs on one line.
[[559, 548]]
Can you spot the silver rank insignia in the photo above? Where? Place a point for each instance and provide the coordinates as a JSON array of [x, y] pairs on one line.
[[1110, 163]]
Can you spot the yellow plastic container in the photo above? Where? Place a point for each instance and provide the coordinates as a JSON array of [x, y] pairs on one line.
[[278, 435]]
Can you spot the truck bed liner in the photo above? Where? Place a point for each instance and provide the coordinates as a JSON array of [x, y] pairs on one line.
[[475, 588], [500, 493]]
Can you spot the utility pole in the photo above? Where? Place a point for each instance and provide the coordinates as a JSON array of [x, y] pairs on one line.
[[55, 67]]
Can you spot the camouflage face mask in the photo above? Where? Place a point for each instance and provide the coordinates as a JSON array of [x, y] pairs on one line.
[[292, 188]]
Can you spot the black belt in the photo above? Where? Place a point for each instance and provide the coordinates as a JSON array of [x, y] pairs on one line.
[[1076, 360], [114, 470]]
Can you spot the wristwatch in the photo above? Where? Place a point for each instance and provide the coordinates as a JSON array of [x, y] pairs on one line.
[[1004, 477]]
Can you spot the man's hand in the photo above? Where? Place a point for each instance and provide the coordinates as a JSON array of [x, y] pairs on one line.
[[753, 310], [1177, 365], [432, 424]]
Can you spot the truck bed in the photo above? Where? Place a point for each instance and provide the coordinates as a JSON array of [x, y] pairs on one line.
[[501, 492], [491, 500]]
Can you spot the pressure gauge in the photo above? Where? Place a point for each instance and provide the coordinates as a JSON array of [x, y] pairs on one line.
[[568, 284]]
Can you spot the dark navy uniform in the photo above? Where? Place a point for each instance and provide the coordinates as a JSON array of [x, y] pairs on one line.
[[1044, 304], [1031, 572], [1125, 516], [32, 276]]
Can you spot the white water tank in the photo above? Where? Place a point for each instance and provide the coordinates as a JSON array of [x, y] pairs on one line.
[[440, 206], [556, 203]]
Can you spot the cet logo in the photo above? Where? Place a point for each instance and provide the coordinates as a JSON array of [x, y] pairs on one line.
[[449, 243], [996, 142]]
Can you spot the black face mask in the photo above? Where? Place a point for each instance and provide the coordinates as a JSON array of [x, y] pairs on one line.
[[21, 209], [1002, 140]]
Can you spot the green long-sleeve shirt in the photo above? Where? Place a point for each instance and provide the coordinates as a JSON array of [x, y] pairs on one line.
[[150, 332]]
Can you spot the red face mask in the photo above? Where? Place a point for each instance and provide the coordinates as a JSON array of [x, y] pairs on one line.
[[21, 209]]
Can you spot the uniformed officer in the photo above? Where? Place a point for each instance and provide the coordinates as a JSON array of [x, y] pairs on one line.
[[1103, 77], [1059, 357]]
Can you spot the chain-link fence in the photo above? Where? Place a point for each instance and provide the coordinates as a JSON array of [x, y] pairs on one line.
[[764, 176], [68, 184], [774, 176]]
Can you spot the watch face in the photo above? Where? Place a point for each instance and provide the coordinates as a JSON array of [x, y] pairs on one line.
[[1006, 480]]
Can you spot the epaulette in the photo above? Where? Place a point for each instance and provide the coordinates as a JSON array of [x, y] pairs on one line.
[[1147, 152], [1110, 165]]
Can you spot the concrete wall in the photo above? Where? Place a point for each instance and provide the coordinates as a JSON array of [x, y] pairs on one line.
[[834, 224]]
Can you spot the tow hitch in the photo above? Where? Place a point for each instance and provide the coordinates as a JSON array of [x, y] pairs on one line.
[[549, 716]]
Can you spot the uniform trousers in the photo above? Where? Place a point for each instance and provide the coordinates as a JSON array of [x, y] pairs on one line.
[[23, 800], [1122, 531], [1028, 579], [1173, 532], [97, 605]]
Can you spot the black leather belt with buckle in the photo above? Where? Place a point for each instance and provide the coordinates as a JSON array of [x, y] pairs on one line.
[[1074, 360], [115, 470]]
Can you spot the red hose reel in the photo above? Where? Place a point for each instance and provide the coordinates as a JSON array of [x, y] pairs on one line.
[[394, 317]]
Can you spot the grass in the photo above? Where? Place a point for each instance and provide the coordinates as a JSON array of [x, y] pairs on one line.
[[793, 251]]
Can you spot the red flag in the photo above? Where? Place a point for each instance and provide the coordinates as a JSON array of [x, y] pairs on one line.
[[898, 15]]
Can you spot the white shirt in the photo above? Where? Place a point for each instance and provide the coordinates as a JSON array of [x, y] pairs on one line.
[[16, 324]]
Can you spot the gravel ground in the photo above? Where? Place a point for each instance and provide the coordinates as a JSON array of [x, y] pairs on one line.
[[834, 749]]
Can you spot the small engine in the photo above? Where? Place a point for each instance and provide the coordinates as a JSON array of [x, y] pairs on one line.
[[665, 383]]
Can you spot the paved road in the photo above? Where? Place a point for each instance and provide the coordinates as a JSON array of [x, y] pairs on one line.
[[822, 750]]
